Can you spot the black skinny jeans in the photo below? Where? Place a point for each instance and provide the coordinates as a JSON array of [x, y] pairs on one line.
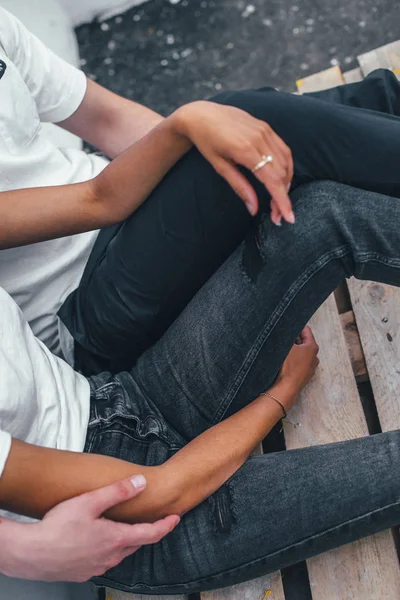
[[143, 273]]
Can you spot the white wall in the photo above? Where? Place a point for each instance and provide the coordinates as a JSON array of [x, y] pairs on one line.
[[82, 11], [48, 20]]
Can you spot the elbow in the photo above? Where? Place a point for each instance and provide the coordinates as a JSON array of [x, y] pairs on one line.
[[163, 496], [180, 492], [172, 499], [170, 494], [103, 204], [176, 505], [179, 495]]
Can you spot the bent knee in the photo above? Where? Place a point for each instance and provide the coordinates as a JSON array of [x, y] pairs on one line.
[[331, 207], [320, 200], [324, 212]]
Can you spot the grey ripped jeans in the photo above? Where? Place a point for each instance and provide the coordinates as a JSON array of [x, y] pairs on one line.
[[225, 347]]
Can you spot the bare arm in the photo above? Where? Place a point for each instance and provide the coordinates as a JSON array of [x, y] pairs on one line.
[[109, 122], [226, 136], [52, 476], [36, 214], [190, 476]]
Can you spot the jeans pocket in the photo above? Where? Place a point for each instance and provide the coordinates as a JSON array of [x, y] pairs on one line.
[[123, 425], [119, 439]]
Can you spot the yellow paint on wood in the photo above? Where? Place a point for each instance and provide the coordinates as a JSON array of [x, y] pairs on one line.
[[321, 81]]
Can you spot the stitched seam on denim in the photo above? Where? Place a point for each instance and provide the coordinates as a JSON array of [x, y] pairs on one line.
[[312, 537], [180, 439], [89, 442], [368, 256], [271, 323], [137, 438], [143, 439], [257, 560], [361, 257], [103, 393], [106, 423], [99, 421], [99, 394]]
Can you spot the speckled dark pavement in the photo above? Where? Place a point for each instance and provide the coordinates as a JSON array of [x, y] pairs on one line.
[[168, 52]]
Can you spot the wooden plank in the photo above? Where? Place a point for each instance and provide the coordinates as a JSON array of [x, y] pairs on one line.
[[377, 312], [353, 76], [354, 347], [268, 587], [330, 410], [385, 57], [376, 306], [116, 595], [320, 81], [354, 578]]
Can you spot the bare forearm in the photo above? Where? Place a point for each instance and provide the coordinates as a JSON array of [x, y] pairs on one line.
[[190, 476], [226, 137], [109, 122], [212, 458], [32, 215], [36, 214], [208, 461], [36, 479], [126, 183], [129, 125]]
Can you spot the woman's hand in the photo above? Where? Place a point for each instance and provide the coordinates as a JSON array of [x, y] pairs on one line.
[[300, 365], [74, 542], [228, 137]]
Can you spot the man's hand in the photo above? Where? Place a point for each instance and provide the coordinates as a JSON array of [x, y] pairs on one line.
[[74, 542]]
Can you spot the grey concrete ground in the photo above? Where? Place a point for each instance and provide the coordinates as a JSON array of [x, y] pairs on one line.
[[168, 52]]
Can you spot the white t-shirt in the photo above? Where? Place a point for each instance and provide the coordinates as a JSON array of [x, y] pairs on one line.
[[43, 401], [35, 86]]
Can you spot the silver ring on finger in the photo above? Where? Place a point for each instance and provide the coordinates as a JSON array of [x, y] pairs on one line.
[[265, 160]]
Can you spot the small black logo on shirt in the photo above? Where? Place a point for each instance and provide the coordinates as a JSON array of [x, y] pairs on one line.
[[3, 68]]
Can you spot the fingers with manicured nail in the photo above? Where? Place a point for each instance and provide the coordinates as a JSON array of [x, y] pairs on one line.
[[276, 216], [239, 183]]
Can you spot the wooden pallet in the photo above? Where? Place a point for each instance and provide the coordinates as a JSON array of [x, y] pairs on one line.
[[362, 343]]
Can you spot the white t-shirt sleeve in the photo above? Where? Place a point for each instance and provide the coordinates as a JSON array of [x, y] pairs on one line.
[[57, 87], [5, 447]]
